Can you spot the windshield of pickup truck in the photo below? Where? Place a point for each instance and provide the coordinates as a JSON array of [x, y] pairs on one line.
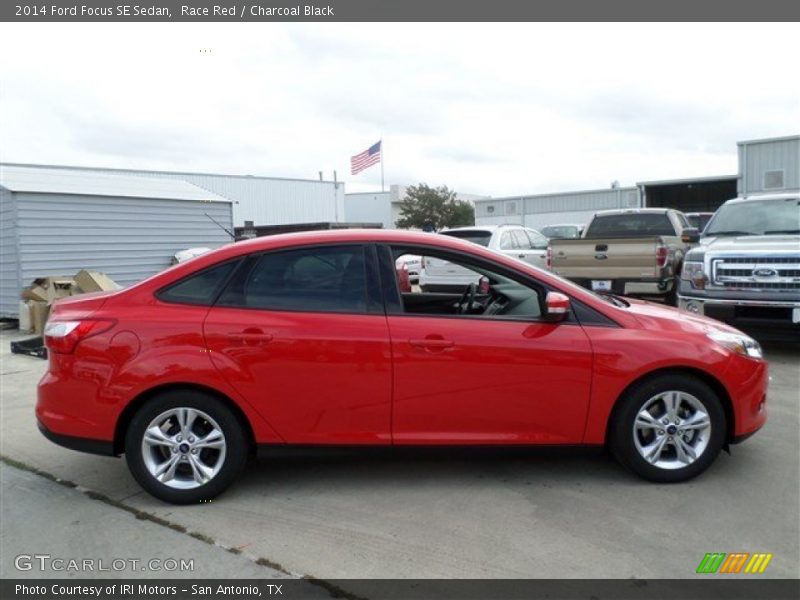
[[629, 225], [760, 217]]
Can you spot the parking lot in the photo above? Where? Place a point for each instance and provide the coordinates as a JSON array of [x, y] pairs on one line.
[[504, 514]]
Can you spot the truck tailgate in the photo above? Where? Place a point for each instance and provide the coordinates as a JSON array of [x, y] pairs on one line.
[[622, 258]]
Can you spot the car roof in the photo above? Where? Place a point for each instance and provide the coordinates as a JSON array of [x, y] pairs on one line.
[[480, 228], [761, 197], [625, 211]]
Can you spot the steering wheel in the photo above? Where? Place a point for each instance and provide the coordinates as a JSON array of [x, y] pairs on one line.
[[467, 298]]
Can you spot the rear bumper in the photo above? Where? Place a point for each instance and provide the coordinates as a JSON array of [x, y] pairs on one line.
[[631, 287], [765, 319], [80, 444]]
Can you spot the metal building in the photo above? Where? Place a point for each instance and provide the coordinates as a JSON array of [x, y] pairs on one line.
[[700, 194], [262, 200], [57, 221], [538, 210], [769, 165]]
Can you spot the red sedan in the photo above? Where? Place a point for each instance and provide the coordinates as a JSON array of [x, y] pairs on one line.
[[309, 339]]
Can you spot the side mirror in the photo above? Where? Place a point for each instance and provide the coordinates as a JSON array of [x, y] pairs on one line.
[[690, 235], [557, 306]]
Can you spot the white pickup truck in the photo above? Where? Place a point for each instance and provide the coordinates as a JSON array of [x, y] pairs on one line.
[[746, 270]]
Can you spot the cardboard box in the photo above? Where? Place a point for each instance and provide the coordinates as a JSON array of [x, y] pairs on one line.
[[54, 286], [93, 281], [39, 313], [34, 292]]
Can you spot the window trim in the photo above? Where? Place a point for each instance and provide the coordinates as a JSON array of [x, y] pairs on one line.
[[370, 291]]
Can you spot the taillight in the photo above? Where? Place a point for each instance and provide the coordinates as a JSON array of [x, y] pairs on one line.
[[549, 258], [661, 256], [63, 336]]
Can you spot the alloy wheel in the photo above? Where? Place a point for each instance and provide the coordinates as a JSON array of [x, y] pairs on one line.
[[672, 430], [183, 448]]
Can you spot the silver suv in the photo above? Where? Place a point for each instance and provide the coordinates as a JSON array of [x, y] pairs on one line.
[[516, 241], [746, 270]]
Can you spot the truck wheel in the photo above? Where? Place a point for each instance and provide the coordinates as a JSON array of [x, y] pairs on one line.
[[668, 428], [185, 446]]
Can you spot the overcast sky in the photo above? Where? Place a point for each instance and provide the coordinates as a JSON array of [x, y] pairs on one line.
[[490, 109]]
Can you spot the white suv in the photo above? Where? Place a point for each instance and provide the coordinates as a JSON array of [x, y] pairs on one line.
[[518, 242]]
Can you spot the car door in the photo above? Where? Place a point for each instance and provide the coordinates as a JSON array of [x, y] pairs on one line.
[[301, 334], [479, 380]]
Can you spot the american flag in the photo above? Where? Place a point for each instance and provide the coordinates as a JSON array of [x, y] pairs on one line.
[[366, 159]]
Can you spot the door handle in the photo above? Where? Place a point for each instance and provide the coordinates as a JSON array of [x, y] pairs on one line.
[[432, 344], [520, 256], [257, 337]]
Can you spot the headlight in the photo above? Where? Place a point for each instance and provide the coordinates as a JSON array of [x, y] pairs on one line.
[[693, 271], [741, 344]]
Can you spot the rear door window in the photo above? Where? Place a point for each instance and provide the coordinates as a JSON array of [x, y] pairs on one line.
[[522, 239], [331, 279]]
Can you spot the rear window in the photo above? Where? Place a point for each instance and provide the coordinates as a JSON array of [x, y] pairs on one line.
[[630, 225], [200, 288], [476, 236], [561, 231]]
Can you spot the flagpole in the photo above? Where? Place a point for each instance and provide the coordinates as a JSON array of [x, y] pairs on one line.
[[383, 189]]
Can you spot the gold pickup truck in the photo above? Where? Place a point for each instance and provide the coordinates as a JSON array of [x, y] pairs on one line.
[[634, 252]]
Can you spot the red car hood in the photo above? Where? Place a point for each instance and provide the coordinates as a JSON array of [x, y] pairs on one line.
[[667, 318]]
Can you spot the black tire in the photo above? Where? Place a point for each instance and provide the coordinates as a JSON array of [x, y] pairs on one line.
[[621, 428], [236, 445]]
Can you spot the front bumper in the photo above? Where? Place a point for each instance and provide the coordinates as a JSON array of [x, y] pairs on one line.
[[767, 319]]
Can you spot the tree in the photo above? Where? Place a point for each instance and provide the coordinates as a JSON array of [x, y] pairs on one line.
[[425, 207]]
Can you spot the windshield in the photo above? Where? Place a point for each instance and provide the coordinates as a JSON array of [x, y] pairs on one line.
[[698, 221], [565, 232], [476, 236], [763, 217], [629, 225]]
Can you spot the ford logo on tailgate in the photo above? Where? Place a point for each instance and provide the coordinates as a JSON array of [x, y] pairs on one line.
[[762, 272]]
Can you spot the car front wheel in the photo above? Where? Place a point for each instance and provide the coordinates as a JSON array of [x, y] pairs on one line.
[[668, 428], [185, 447]]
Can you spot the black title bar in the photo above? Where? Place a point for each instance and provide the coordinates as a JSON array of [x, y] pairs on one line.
[[400, 10], [701, 588]]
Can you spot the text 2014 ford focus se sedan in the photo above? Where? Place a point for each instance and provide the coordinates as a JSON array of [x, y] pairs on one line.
[[307, 339]]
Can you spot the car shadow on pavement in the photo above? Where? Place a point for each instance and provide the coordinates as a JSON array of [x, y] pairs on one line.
[[419, 467]]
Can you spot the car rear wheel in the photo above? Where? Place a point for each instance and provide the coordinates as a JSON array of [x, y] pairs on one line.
[[668, 428], [185, 446]]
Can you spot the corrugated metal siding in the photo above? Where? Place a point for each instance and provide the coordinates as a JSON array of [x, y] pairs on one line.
[[9, 275], [369, 208], [757, 158], [265, 201], [573, 217], [593, 200], [127, 238]]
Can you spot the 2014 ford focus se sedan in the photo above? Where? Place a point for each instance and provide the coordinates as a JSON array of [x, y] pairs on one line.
[[307, 339]]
